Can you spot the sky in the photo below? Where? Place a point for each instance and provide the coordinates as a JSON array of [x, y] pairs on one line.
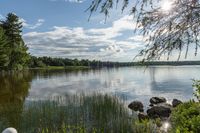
[[60, 28]]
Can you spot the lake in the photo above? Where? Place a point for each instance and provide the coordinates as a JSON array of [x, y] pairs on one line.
[[129, 83], [26, 97]]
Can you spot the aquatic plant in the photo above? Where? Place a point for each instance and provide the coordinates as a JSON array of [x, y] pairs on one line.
[[81, 113]]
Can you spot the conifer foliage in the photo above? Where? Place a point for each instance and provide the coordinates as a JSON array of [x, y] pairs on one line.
[[13, 51]]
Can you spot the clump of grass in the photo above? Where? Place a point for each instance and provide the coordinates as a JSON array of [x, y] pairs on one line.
[[94, 113]]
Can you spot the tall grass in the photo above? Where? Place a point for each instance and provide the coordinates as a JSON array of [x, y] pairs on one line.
[[96, 113], [78, 113]]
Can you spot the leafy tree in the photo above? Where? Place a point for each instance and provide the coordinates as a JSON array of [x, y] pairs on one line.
[[18, 50], [4, 52], [167, 30]]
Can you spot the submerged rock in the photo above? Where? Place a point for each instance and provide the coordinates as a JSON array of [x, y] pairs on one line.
[[176, 102], [156, 100], [159, 111], [136, 106]]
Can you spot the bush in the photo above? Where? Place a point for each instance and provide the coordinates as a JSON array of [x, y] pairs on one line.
[[196, 85], [186, 118]]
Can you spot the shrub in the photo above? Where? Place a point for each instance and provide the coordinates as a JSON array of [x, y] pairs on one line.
[[196, 85], [186, 118]]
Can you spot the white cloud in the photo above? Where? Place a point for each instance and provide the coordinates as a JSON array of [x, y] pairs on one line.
[[138, 38], [72, 1], [123, 24], [112, 48], [99, 43], [32, 26], [110, 43], [76, 1]]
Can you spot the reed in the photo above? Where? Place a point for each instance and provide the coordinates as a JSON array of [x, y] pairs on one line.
[[96, 113]]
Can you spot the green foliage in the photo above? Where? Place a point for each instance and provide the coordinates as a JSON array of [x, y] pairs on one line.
[[18, 56], [48, 61], [186, 118], [4, 51], [78, 113], [196, 85], [147, 126]]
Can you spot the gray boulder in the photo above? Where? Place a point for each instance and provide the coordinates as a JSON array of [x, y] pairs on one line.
[[156, 100], [136, 106], [176, 102], [160, 111], [164, 104]]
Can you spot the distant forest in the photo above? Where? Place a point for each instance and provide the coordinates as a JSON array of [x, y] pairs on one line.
[[49, 61]]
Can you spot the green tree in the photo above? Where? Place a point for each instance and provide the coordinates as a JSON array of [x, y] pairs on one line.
[[4, 52], [169, 24], [18, 50]]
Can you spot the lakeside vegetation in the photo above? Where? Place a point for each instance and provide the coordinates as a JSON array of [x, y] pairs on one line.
[[43, 62], [96, 113]]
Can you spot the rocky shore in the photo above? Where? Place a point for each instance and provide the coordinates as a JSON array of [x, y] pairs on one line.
[[158, 108]]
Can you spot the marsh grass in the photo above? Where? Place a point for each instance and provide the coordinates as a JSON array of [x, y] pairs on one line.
[[96, 113], [78, 113]]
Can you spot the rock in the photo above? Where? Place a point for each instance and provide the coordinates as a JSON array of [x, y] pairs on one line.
[[156, 100], [151, 105], [164, 104], [9, 130], [160, 111], [142, 116], [176, 102], [136, 106]]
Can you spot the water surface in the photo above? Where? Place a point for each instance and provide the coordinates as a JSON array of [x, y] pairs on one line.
[[129, 83]]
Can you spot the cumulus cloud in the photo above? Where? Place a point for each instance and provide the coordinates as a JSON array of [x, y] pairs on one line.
[[76, 1], [72, 1], [99, 43], [123, 24], [32, 26]]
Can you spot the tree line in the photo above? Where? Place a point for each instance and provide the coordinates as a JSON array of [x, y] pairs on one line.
[[13, 51], [49, 61]]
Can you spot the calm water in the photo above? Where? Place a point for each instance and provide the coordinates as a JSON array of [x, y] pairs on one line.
[[130, 83]]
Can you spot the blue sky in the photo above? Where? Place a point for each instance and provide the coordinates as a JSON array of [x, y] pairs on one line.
[[60, 28]]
